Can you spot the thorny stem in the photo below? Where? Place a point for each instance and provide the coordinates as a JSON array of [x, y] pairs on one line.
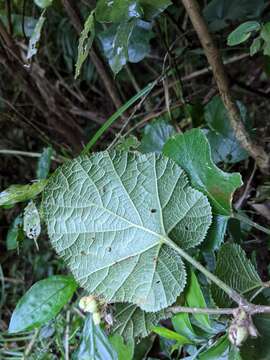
[[248, 307]]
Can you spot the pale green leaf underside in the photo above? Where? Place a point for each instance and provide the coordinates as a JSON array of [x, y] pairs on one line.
[[109, 216]]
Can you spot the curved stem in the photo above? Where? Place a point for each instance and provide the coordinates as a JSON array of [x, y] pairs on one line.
[[251, 223]]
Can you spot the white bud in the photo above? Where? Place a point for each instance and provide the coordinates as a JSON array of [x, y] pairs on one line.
[[88, 304], [96, 318]]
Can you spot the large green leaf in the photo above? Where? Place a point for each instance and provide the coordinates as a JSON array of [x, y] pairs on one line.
[[42, 302], [127, 41], [133, 323], [153, 8], [110, 216], [20, 193], [155, 136], [224, 145], [236, 270], [192, 151], [95, 344]]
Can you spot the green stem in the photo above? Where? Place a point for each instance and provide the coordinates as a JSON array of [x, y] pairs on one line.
[[246, 220], [116, 115], [227, 289]]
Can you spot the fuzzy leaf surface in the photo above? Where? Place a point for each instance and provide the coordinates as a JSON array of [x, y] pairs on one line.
[[110, 216]]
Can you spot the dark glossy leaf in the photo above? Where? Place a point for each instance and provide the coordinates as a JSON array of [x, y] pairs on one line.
[[95, 344], [85, 43], [128, 204], [44, 163], [35, 37], [216, 233], [21, 193], [220, 13], [218, 351], [194, 298], [171, 335], [203, 173], [155, 136], [15, 233], [242, 32], [224, 145], [128, 41], [124, 350], [236, 270], [42, 302]]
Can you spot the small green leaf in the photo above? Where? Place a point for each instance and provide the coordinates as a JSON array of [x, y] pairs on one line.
[[85, 42], [95, 344], [43, 3], [203, 173], [172, 335], [41, 303], [182, 325], [15, 233], [195, 298], [255, 46], [128, 204], [20, 193], [242, 32], [133, 323], [35, 37], [127, 144], [216, 233], [44, 163], [218, 351], [124, 351], [31, 222], [155, 136], [117, 11], [236, 270]]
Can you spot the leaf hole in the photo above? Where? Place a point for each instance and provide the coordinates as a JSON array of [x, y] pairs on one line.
[[153, 211]]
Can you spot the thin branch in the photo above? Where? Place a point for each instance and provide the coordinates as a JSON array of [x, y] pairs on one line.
[[214, 59], [195, 310]]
